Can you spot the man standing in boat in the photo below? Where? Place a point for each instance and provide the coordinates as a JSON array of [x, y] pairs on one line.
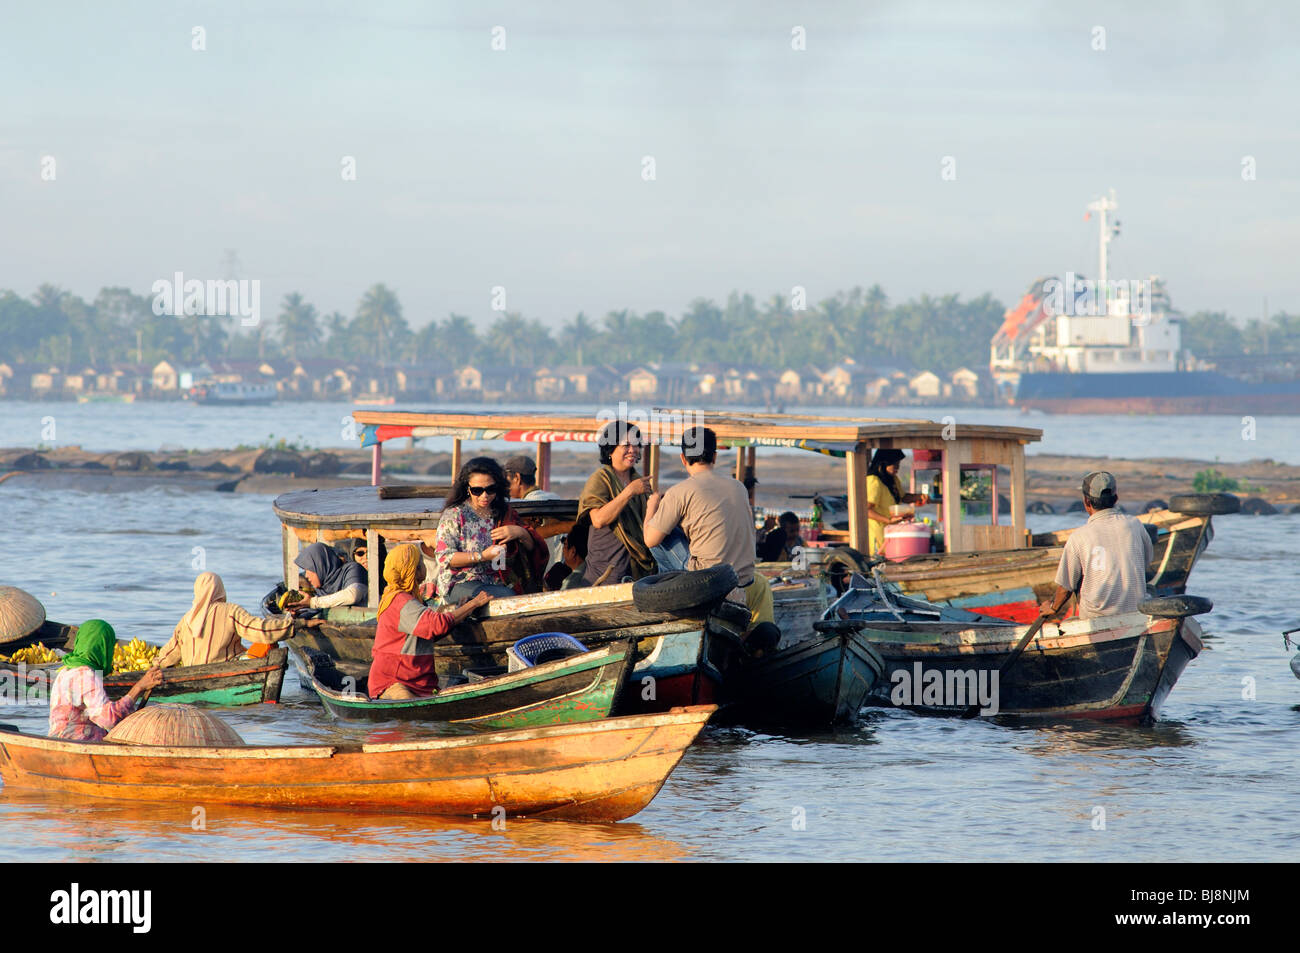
[[521, 477], [1105, 560]]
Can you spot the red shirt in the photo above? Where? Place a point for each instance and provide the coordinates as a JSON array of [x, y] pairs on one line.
[[403, 649]]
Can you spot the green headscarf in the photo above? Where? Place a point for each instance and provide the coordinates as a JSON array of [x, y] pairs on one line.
[[93, 648]]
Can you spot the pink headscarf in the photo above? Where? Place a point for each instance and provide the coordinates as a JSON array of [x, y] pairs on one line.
[[208, 589]]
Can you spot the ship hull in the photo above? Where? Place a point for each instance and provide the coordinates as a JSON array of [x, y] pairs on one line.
[[1181, 392]]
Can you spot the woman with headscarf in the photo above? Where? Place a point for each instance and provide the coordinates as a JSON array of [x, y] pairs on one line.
[[403, 659], [337, 581], [482, 546], [615, 498], [884, 491], [80, 709], [213, 628]]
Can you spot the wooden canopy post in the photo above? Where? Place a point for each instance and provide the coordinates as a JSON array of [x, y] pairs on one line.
[[955, 454], [372, 567], [652, 465], [856, 463], [455, 458], [290, 554], [376, 463], [543, 465], [1018, 495], [740, 463]]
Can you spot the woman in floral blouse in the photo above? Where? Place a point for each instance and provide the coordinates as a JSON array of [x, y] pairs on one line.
[[482, 546], [80, 709]]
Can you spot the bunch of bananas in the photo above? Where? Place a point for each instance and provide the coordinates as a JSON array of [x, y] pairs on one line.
[[135, 656], [36, 654]]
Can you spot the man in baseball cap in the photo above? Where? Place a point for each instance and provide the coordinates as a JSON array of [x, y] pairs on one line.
[[521, 478], [1105, 561]]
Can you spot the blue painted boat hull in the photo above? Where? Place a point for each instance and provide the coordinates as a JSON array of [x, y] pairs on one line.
[[821, 681]]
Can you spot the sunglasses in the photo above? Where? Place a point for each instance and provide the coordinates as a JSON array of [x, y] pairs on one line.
[[480, 490]]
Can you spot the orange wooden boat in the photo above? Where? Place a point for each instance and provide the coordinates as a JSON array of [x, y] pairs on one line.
[[598, 771]]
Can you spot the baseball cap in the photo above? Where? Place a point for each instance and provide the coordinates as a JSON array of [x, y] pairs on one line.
[[522, 465], [1100, 485]]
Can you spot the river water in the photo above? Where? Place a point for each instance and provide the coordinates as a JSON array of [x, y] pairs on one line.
[[1214, 779]]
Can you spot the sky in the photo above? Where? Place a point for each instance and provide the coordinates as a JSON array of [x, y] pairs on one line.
[[524, 168]]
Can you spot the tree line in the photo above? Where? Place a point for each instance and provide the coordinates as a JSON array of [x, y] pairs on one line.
[[936, 333]]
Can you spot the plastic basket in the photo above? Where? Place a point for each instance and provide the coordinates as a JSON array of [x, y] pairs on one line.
[[523, 654]]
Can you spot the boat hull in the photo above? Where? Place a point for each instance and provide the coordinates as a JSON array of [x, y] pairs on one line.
[[819, 682], [602, 771], [227, 684], [1121, 667], [577, 689]]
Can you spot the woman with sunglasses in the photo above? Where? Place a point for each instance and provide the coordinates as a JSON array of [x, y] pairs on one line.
[[481, 545]]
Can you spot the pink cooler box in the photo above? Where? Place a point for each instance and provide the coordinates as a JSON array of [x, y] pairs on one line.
[[906, 539]]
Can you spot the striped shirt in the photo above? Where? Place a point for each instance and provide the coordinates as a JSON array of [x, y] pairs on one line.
[[1105, 564]]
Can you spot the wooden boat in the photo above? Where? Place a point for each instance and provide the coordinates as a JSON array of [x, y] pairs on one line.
[[990, 562], [244, 681], [1116, 667], [599, 771], [579, 688], [682, 653], [820, 681]]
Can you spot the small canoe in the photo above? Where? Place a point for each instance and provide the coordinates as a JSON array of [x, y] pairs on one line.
[[818, 682], [245, 681], [598, 771], [579, 688]]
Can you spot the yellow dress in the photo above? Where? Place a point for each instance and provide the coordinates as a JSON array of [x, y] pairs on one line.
[[879, 497]]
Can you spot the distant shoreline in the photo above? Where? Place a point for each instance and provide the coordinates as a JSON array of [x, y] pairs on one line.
[[1052, 479]]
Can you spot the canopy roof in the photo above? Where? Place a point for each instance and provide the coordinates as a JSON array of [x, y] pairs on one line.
[[662, 426]]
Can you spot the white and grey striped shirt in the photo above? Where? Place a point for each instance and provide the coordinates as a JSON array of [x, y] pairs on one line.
[[1105, 564]]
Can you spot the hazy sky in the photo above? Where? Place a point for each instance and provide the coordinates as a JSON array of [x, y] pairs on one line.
[[523, 168]]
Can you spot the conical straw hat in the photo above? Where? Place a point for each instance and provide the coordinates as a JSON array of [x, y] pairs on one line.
[[174, 726], [20, 614]]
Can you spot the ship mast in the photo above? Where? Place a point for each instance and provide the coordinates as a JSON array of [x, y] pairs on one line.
[[1101, 206]]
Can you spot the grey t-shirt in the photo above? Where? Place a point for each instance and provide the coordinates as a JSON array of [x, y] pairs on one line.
[[713, 511], [1105, 563]]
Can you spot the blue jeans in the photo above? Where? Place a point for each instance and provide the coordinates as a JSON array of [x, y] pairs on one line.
[[673, 553]]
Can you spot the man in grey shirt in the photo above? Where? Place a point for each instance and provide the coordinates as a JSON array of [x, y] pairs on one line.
[[1105, 560]]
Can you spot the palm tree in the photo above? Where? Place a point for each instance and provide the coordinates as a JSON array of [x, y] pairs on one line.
[[578, 335], [508, 337], [379, 317], [298, 325]]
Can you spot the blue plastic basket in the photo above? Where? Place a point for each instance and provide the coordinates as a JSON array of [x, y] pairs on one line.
[[523, 654]]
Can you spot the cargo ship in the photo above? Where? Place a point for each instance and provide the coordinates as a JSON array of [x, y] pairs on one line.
[[1078, 346]]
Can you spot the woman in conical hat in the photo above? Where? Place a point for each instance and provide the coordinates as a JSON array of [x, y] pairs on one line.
[[80, 709]]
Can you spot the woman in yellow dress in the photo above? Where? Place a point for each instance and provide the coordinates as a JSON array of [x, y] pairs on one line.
[[884, 491]]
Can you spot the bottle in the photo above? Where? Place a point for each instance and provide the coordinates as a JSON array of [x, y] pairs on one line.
[[815, 522]]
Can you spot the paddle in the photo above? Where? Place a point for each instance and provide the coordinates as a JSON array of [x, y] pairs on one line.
[[1010, 660]]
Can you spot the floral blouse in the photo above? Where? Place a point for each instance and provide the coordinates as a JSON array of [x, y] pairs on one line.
[[80, 709], [462, 530]]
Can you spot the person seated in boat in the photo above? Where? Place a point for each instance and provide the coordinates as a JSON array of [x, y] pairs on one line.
[[336, 581], [521, 478], [481, 545], [80, 709], [884, 491], [706, 520], [614, 499], [570, 572], [402, 663], [781, 540], [1105, 562], [214, 629]]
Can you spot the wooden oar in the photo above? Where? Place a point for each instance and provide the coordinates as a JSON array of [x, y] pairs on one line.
[[1010, 660]]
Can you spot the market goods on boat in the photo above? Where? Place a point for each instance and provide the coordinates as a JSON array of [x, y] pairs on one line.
[[605, 770], [578, 688], [134, 656], [36, 654]]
